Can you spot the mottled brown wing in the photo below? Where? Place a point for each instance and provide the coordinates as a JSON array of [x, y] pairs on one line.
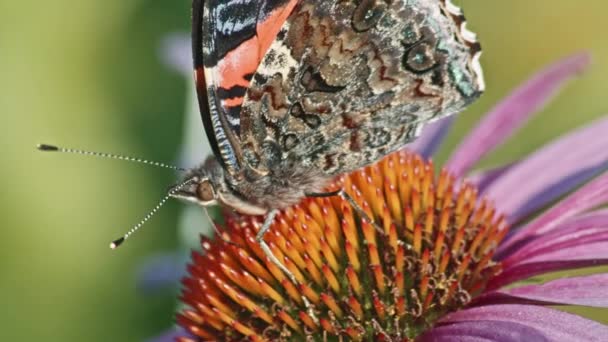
[[347, 82]]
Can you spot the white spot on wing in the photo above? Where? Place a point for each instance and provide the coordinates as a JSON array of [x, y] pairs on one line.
[[453, 8], [283, 57], [466, 34], [476, 65]]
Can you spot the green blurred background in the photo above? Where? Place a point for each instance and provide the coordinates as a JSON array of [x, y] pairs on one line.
[[87, 74]]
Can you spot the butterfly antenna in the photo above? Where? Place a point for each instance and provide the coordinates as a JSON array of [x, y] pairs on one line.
[[116, 243], [53, 148]]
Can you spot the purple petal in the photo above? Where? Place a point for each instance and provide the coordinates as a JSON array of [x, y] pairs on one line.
[[552, 171], [513, 111], [592, 194], [496, 297], [588, 291], [587, 228], [483, 179], [176, 52], [431, 137], [170, 335], [584, 255], [483, 331], [584, 251], [160, 271], [552, 325]]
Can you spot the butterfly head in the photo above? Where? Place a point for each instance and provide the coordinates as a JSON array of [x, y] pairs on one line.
[[198, 190], [207, 185]]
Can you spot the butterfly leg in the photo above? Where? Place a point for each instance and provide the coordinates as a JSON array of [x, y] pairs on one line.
[[219, 234], [260, 240]]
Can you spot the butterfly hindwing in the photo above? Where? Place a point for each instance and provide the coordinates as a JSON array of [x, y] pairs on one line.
[[346, 82]]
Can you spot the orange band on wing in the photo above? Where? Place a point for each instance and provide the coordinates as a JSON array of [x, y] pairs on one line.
[[246, 57], [232, 102], [237, 63], [268, 29]]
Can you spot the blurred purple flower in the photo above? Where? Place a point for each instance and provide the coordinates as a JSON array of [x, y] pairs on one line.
[[164, 270], [171, 335], [160, 272], [176, 52], [566, 236]]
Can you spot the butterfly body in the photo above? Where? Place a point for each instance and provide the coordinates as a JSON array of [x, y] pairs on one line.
[[293, 93]]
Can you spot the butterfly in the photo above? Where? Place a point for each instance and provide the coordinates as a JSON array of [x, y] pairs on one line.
[[293, 93]]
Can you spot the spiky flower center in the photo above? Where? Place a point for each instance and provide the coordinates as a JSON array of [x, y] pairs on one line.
[[428, 252]]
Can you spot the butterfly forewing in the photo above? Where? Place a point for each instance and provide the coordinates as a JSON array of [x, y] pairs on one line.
[[230, 38], [294, 92], [346, 82]]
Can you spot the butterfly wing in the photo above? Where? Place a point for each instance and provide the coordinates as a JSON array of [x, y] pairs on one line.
[[229, 39], [346, 82]]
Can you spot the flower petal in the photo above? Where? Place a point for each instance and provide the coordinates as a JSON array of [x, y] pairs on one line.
[[483, 331], [552, 325], [564, 164], [161, 271], [483, 179], [431, 137], [589, 290], [590, 227], [171, 335], [513, 111], [583, 251], [583, 255], [176, 52], [592, 194]]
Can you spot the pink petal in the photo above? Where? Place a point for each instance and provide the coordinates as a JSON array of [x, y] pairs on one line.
[[431, 137], [482, 331], [483, 179], [579, 256], [171, 335], [551, 325], [513, 111], [160, 272], [551, 172], [587, 228], [591, 195], [588, 291], [585, 251]]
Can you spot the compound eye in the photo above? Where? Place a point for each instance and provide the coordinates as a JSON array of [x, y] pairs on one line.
[[205, 191]]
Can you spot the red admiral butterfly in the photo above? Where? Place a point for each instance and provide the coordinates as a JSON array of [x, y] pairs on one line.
[[293, 93]]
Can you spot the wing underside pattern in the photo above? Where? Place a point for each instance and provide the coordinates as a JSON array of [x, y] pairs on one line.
[[230, 38], [346, 82]]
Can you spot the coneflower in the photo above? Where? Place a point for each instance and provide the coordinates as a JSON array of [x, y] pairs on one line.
[[435, 263], [432, 255]]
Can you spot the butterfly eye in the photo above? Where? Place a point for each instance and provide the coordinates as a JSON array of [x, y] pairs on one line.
[[205, 191]]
